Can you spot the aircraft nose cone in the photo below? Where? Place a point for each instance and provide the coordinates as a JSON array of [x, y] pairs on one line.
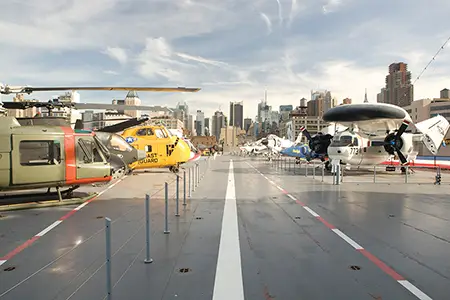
[[141, 154]]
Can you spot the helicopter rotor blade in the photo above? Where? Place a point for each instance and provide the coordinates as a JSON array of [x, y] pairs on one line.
[[28, 89], [123, 125]]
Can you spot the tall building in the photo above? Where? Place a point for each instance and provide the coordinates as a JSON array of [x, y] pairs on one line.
[[237, 114], [132, 98], [190, 123], [247, 123], [218, 121], [207, 127], [200, 123], [398, 90]]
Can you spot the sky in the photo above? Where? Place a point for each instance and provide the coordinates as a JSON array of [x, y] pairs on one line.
[[232, 49]]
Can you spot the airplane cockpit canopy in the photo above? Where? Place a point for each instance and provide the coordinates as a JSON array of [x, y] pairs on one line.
[[344, 141]]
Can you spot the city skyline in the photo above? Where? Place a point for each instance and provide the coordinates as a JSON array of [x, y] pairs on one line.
[[286, 47]]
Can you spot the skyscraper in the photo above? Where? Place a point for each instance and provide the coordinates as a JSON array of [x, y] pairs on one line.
[[207, 127], [200, 124], [217, 123], [398, 90], [237, 114]]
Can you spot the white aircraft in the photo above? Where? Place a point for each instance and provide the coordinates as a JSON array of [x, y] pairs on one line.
[[255, 148], [276, 144], [376, 132]]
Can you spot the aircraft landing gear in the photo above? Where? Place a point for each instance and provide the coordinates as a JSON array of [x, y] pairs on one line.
[[174, 169]]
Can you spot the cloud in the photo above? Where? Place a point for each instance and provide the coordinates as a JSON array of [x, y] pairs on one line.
[[117, 53], [267, 21], [344, 46]]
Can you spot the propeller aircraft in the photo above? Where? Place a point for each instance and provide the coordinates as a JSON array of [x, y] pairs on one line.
[[53, 154], [375, 132]]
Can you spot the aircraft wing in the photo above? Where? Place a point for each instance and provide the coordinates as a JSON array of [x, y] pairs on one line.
[[369, 118]]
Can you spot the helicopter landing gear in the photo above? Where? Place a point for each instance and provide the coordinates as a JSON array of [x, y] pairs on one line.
[[174, 169]]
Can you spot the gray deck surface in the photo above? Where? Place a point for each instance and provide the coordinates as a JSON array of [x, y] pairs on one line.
[[286, 253]]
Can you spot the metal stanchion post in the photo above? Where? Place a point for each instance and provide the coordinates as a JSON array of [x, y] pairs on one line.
[[108, 257], [177, 204], [194, 175], [147, 229], [184, 187], [374, 174], [190, 189], [323, 171], [338, 174], [166, 209], [198, 174], [406, 174]]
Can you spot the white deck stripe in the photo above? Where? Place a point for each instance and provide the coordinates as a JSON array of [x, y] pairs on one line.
[[81, 206], [347, 239], [292, 197], [410, 287], [56, 223], [2, 262], [311, 211], [228, 283]]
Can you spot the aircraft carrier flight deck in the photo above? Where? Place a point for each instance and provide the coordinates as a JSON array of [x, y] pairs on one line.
[[249, 230]]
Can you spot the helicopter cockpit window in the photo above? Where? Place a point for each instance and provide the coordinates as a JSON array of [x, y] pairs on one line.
[[120, 144], [38, 153], [88, 152], [160, 133], [141, 132]]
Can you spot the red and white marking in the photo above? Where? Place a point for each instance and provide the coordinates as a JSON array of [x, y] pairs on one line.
[[388, 270], [28, 243]]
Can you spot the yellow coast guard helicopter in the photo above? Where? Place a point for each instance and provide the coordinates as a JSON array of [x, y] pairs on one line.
[[162, 148]]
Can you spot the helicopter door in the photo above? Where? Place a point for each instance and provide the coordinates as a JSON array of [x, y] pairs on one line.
[[37, 159], [90, 160]]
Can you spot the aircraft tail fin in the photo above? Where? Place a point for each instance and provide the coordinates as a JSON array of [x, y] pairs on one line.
[[299, 138], [434, 131]]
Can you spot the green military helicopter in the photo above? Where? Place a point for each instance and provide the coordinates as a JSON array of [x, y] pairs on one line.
[[46, 152]]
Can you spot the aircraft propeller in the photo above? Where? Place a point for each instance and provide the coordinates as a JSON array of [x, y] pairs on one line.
[[319, 142], [393, 142]]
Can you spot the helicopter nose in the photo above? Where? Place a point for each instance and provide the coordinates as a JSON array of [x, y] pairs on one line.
[[118, 166], [141, 154]]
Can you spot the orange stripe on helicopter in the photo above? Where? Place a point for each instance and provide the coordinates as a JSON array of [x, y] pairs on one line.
[[71, 166], [69, 150]]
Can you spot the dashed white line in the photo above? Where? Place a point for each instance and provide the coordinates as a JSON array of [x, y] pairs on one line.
[[311, 211], [415, 291], [81, 206], [405, 283], [347, 239], [53, 225], [228, 283], [292, 197]]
